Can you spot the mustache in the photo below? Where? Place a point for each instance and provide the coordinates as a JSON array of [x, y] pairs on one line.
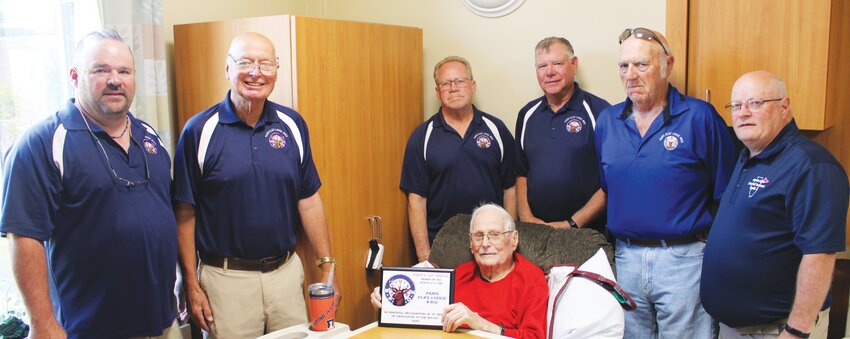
[[112, 90]]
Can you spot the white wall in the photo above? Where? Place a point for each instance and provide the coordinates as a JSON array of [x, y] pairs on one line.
[[501, 50]]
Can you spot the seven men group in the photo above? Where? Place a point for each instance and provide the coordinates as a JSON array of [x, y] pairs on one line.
[[95, 240]]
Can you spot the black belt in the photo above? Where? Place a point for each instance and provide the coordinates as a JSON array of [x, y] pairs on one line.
[[662, 242], [262, 265]]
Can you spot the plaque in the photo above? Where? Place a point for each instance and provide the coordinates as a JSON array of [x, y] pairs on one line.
[[415, 297]]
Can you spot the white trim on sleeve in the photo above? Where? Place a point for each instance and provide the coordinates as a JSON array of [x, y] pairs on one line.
[[59, 148], [296, 133], [204, 143], [525, 123], [498, 136], [427, 137]]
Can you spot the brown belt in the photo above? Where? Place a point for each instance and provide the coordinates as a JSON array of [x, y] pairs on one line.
[[661, 242], [262, 265]]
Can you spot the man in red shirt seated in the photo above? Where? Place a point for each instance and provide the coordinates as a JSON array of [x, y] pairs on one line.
[[501, 291]]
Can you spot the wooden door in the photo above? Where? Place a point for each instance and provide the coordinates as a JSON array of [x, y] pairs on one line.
[[200, 52], [727, 38], [360, 88]]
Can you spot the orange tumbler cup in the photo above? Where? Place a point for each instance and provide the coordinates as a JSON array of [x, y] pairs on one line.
[[322, 306]]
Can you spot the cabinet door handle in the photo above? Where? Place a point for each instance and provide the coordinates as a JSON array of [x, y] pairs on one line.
[[707, 95]]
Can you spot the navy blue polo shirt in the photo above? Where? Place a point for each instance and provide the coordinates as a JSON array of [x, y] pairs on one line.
[[111, 249], [662, 185], [557, 154], [244, 182], [457, 174], [787, 201]]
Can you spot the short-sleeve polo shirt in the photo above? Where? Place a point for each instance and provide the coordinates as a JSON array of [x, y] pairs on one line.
[[557, 154], [787, 201], [662, 185], [244, 182], [111, 248], [457, 174]]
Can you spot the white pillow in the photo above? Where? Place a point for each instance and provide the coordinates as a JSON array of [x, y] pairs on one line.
[[579, 307]]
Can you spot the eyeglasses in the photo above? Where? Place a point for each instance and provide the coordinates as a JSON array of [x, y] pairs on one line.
[[459, 82], [246, 66], [644, 34], [753, 105], [126, 182], [494, 237]]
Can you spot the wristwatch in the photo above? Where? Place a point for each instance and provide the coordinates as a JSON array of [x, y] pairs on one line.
[[323, 260], [795, 332], [572, 222]]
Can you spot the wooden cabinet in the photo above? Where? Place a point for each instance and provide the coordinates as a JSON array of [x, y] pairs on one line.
[[801, 41], [359, 87], [804, 42]]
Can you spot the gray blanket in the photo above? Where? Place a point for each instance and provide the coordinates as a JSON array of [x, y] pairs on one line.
[[542, 245]]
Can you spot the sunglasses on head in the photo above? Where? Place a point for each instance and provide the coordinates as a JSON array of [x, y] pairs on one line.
[[644, 34]]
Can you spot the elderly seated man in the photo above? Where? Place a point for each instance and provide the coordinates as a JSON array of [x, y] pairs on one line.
[[500, 291]]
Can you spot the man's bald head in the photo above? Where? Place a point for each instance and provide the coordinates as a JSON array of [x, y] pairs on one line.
[[238, 44]]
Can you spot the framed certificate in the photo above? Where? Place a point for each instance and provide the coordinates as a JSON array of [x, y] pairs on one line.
[[415, 297]]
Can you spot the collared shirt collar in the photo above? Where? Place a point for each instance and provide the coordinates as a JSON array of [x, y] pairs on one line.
[[227, 115], [72, 120], [440, 120], [674, 97], [778, 144], [574, 104]]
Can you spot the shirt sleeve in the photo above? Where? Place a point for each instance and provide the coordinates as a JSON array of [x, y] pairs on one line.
[[187, 173], [531, 312], [310, 181], [32, 187], [521, 159], [720, 156], [507, 170], [818, 203], [599, 137], [598, 105], [414, 170]]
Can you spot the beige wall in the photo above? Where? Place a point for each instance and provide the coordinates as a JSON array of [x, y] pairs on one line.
[[500, 49]]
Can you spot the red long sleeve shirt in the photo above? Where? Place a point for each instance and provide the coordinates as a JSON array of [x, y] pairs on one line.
[[517, 302]]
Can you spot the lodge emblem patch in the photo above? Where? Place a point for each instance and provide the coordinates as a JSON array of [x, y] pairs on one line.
[[483, 140], [756, 184], [150, 145], [276, 138]]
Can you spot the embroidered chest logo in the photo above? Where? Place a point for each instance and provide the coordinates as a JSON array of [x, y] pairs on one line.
[[399, 290], [483, 140], [756, 184], [574, 124], [150, 145], [671, 140], [276, 138]]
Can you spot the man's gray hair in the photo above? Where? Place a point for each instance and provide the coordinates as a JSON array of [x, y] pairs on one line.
[[96, 36], [544, 45], [779, 85], [449, 59], [508, 223]]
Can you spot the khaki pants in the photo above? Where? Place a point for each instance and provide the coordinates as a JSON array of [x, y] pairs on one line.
[[771, 331], [248, 304], [172, 332]]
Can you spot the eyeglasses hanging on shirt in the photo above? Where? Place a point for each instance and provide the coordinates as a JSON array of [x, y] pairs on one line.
[[126, 182]]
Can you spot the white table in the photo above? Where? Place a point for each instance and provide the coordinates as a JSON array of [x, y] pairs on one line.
[[303, 331], [373, 331]]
